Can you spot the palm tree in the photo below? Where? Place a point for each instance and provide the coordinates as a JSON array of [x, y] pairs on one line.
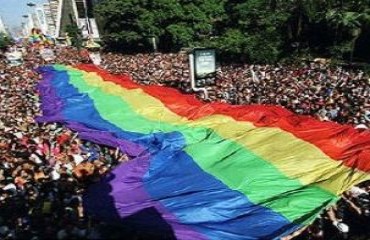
[[348, 22]]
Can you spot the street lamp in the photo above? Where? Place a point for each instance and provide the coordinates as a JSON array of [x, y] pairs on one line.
[[31, 4], [26, 28], [153, 41]]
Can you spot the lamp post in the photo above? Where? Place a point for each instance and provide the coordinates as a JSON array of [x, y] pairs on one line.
[[296, 46], [24, 30], [153, 41], [27, 27], [31, 4], [35, 21]]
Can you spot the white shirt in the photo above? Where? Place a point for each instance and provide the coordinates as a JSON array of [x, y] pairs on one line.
[[356, 191], [78, 159]]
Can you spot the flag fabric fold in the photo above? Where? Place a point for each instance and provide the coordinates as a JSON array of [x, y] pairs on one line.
[[210, 170]]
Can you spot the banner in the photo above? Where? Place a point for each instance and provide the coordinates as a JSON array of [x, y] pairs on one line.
[[204, 170], [205, 62]]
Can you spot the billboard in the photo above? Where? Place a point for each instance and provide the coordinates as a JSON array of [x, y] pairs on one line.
[[204, 62]]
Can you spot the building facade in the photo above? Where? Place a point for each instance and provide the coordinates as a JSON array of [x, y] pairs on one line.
[[77, 12], [54, 17], [2, 27], [51, 13]]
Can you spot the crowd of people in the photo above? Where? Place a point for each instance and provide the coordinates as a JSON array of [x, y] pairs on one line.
[[159, 69], [45, 168]]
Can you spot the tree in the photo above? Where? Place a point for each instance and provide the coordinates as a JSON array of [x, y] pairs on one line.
[[75, 34], [176, 24], [347, 24], [5, 41], [253, 30], [262, 26]]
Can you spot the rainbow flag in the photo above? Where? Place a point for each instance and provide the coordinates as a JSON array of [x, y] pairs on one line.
[[204, 170]]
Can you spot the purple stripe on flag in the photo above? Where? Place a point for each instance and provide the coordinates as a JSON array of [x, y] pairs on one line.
[[121, 193]]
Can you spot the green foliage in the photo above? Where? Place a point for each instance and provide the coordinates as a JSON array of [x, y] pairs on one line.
[[348, 22], [253, 30], [181, 35], [75, 34], [263, 29], [127, 24], [5, 41]]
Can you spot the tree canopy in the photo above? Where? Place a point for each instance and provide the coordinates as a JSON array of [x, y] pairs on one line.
[[5, 40], [254, 30]]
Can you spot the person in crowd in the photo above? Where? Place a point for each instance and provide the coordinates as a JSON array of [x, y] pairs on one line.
[[44, 168]]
